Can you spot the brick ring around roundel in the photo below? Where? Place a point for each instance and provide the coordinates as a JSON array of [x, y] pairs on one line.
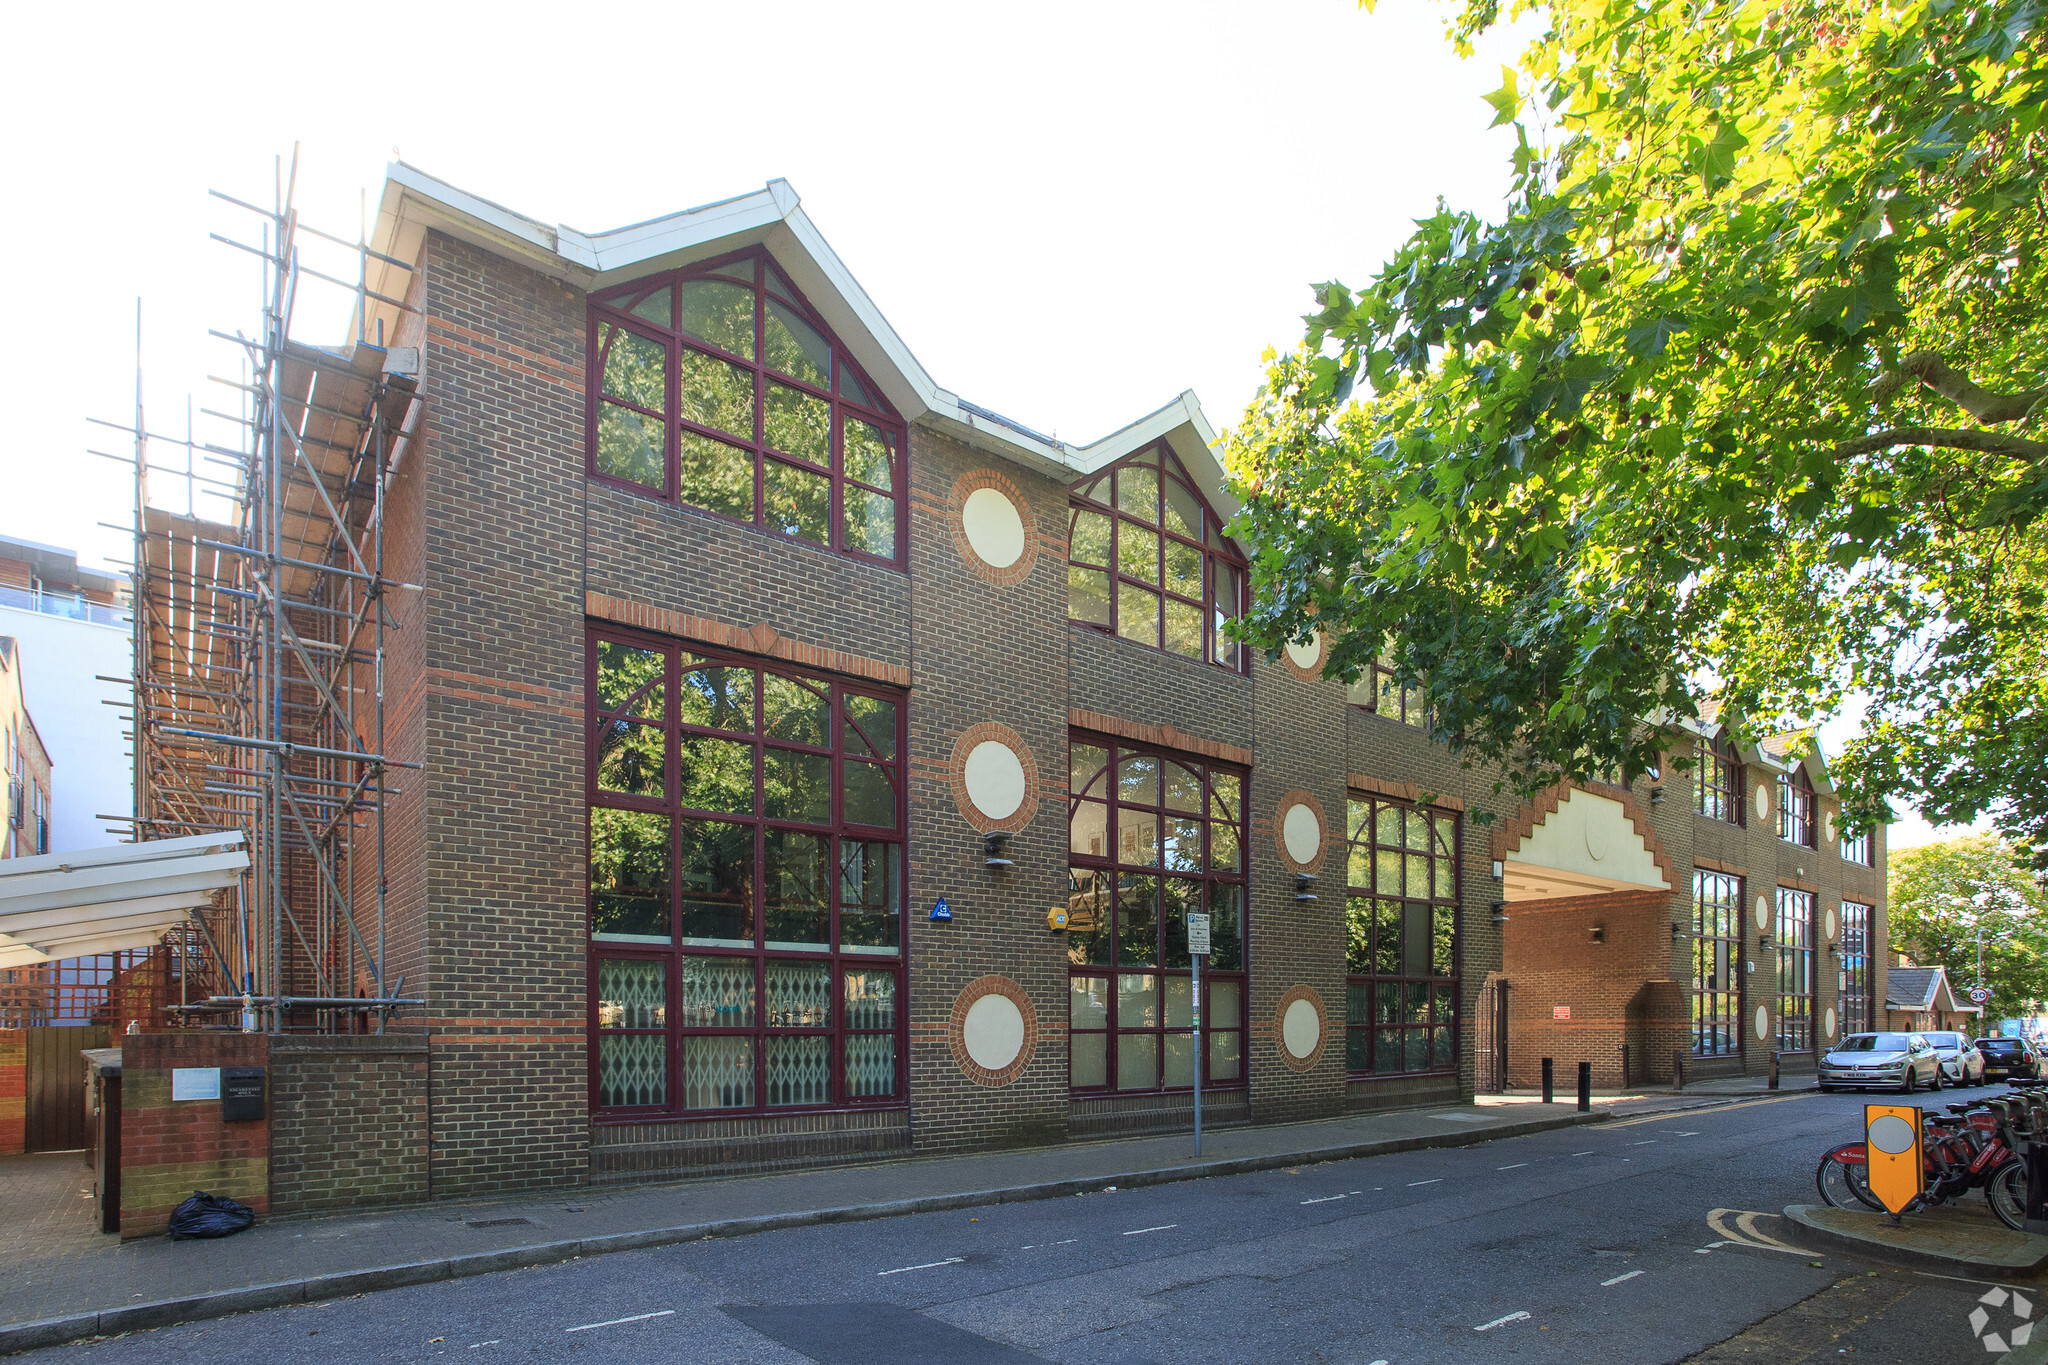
[[1302, 1006], [993, 527], [993, 1030], [1306, 661], [994, 778], [1301, 805]]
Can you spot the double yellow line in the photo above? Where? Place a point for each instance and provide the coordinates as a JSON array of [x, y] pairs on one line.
[[1670, 1115]]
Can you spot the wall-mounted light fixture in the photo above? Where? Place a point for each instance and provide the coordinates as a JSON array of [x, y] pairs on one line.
[[1599, 933], [994, 845], [1657, 795], [1498, 871], [1834, 948], [1304, 886], [1677, 930], [1763, 940], [1500, 909]]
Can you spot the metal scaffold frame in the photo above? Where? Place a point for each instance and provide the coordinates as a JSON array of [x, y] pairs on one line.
[[260, 644]]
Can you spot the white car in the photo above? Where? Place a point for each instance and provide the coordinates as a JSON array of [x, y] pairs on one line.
[[1961, 1062], [1895, 1061]]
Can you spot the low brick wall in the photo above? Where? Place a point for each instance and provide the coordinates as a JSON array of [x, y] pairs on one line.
[[170, 1148], [348, 1121], [13, 1091]]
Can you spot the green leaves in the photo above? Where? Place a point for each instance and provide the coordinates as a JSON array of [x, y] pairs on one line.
[[1506, 101]]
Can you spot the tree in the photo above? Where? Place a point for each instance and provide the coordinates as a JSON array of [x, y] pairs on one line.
[[1745, 391], [1942, 895]]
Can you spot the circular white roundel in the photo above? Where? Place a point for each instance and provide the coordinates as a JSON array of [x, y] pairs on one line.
[[1302, 833], [1763, 913], [1827, 826], [1829, 1020], [1763, 1023], [1301, 1028], [1307, 657], [1891, 1134], [1763, 802], [995, 779], [993, 1032], [994, 528], [1831, 924]]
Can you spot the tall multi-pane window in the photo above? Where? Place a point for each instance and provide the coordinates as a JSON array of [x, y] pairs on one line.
[[1796, 807], [746, 884], [1153, 836], [1717, 783], [1856, 848], [1793, 939], [1147, 559], [1716, 963], [1401, 938], [1379, 691], [718, 387], [1853, 983]]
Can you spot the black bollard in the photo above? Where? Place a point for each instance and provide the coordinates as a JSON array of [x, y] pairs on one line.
[[1547, 1096], [1585, 1087], [1678, 1068], [1774, 1070]]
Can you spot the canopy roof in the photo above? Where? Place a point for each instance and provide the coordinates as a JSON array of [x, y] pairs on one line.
[[101, 900]]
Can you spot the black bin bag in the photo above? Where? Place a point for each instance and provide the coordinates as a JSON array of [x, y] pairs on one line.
[[209, 1215]]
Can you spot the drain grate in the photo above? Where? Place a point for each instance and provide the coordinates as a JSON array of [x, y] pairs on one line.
[[500, 1222]]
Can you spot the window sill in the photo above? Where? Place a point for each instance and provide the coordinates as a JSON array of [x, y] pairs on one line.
[[609, 1118]]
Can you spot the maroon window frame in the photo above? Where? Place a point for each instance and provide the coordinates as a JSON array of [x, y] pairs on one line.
[[1401, 937], [1717, 975], [1853, 983], [764, 420], [1379, 692], [1796, 806], [1147, 560], [1152, 835], [747, 884], [1859, 849], [1797, 933], [1717, 783]]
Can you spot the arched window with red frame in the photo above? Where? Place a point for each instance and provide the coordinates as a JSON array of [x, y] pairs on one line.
[[719, 388]]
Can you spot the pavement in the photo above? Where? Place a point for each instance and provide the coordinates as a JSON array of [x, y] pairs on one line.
[[1952, 1239], [1642, 1240]]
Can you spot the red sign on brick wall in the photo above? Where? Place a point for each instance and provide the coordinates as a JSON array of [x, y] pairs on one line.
[[1560, 1011]]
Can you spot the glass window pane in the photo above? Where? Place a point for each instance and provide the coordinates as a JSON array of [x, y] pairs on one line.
[[1183, 788], [1418, 876], [1137, 921], [1183, 846], [870, 999], [794, 347], [1180, 1002], [1441, 937], [633, 368], [1183, 513], [1417, 1049], [1088, 917], [851, 387], [1226, 799], [870, 1065], [1137, 551], [1224, 603], [625, 672], [870, 796], [1183, 629], [1357, 1049], [798, 994], [715, 476], [1224, 854], [1387, 1054], [1137, 1061], [1089, 1060], [1087, 596], [873, 725], [1184, 572], [1137, 833], [717, 992], [1088, 829], [869, 454], [1416, 1002], [629, 875], [1137, 492], [1137, 781], [630, 759], [1089, 538], [870, 897], [794, 908], [870, 522], [720, 313], [717, 697], [1226, 1056], [1440, 1046], [1088, 1002], [1180, 1060], [797, 786], [632, 993], [1387, 873], [1387, 938], [1358, 916], [712, 393], [1415, 937], [1085, 763], [715, 774], [716, 862], [1178, 896], [1226, 1007], [1226, 927], [632, 1070], [1386, 1002], [800, 424], [718, 1073], [655, 308], [799, 713], [630, 446], [795, 502]]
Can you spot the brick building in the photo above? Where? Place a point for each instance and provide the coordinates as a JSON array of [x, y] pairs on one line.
[[815, 765], [24, 762]]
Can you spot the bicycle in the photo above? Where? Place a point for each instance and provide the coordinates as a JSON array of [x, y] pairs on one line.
[[1972, 1147]]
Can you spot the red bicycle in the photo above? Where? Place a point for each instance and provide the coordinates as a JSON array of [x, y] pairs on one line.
[[1969, 1148]]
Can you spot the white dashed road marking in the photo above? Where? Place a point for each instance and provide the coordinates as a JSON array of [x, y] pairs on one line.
[[1413, 1183], [1630, 1275], [637, 1317], [928, 1265], [1516, 1167], [1324, 1200], [1163, 1227], [1501, 1322]]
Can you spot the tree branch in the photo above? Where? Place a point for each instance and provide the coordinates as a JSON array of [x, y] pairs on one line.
[[1937, 374], [1947, 438]]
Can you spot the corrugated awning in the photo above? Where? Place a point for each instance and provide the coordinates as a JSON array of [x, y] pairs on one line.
[[101, 900]]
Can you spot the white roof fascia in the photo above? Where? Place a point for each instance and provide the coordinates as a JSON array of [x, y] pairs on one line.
[[24, 925], [128, 855], [22, 956], [85, 887], [1184, 427]]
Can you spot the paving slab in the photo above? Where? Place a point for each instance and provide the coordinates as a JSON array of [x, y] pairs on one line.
[[1960, 1240], [60, 1281]]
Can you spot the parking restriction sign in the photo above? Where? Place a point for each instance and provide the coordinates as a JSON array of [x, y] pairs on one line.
[[1198, 935]]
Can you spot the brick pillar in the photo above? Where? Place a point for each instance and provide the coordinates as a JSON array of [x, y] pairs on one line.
[[172, 1148], [13, 1091]]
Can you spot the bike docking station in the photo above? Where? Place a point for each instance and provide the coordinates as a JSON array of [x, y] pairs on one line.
[[1891, 1140]]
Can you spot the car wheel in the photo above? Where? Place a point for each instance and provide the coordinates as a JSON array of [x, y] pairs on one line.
[[1935, 1082], [1911, 1082], [1825, 1088]]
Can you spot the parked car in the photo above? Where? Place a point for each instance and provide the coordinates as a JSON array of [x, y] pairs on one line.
[[2008, 1059], [1961, 1062], [1893, 1061]]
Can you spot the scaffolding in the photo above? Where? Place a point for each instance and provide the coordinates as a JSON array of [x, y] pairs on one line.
[[260, 643]]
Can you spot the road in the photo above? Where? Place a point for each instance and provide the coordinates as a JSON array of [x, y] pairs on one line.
[[1587, 1244]]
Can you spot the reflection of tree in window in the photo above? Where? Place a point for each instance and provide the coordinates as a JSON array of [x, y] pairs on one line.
[[1401, 937]]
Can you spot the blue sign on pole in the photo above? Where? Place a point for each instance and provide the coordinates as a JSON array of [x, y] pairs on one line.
[[942, 911]]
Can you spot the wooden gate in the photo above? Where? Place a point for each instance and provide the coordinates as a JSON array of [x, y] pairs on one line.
[[56, 1086], [1490, 1037]]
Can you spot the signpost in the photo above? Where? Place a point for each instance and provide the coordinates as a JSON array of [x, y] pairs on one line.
[[1198, 948], [1979, 994], [1891, 1147]]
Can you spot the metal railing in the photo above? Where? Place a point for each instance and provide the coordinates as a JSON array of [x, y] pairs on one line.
[[71, 606]]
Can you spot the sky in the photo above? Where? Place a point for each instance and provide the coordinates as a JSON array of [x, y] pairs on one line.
[[1070, 211]]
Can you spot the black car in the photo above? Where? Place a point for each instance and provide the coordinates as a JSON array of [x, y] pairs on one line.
[[2008, 1059]]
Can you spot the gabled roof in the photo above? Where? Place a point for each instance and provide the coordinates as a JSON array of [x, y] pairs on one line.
[[1922, 989], [414, 202], [1773, 752]]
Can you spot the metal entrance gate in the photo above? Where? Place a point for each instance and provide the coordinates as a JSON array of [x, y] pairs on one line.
[[1490, 1037], [56, 1086]]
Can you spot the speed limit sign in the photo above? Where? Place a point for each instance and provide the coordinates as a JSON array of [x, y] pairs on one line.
[[1979, 994]]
